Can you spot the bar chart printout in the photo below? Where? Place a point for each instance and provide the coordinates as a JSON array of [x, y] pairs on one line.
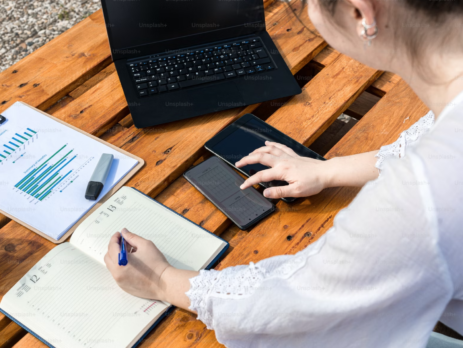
[[50, 174], [16, 143], [45, 168]]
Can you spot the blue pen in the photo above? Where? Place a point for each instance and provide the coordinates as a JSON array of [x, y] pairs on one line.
[[123, 254]]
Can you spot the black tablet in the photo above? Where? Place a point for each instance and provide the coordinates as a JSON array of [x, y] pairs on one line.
[[221, 185], [248, 134]]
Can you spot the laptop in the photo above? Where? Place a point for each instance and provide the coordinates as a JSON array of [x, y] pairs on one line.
[[178, 59]]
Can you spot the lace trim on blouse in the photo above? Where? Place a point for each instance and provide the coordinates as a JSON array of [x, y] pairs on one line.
[[241, 281], [406, 138]]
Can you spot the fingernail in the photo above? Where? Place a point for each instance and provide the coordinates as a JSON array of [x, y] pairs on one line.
[[125, 231], [266, 192]]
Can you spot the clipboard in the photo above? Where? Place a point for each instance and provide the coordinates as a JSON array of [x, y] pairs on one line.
[[103, 199]]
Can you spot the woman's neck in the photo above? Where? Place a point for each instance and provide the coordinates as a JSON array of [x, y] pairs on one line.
[[438, 87]]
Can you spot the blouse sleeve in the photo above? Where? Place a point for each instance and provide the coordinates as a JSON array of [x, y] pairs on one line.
[[406, 138], [375, 279]]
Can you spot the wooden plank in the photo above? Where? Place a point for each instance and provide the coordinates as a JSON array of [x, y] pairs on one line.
[[293, 33], [98, 109], [48, 74], [93, 81], [267, 3], [393, 114], [384, 84], [30, 341], [10, 335], [4, 321], [3, 220], [323, 99], [380, 87], [325, 57]]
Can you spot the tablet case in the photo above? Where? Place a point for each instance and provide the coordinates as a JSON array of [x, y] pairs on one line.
[[140, 164], [168, 311]]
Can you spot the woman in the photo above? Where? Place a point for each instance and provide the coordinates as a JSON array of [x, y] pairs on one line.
[[390, 267]]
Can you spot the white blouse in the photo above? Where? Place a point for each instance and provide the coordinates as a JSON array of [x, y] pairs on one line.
[[382, 276]]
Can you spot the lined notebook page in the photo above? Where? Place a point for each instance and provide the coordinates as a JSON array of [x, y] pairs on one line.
[[71, 300], [185, 245]]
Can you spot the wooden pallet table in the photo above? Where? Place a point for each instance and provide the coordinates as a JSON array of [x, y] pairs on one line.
[[73, 78]]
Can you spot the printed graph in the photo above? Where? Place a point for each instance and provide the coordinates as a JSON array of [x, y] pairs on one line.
[[17, 143], [50, 173]]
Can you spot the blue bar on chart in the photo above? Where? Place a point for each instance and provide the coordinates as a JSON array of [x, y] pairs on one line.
[[32, 177], [40, 182], [32, 130], [28, 134], [47, 173], [27, 178], [51, 188], [65, 164], [45, 190], [36, 180], [35, 191], [13, 144], [20, 136], [43, 176], [18, 141], [9, 148]]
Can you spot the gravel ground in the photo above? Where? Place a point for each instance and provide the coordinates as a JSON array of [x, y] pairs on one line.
[[25, 25]]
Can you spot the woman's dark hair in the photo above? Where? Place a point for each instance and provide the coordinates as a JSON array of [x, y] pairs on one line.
[[434, 9], [408, 25]]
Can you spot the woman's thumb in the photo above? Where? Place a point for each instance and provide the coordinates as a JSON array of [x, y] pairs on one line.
[[278, 192], [133, 239]]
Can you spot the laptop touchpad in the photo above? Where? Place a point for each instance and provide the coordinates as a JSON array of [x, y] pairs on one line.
[[226, 94]]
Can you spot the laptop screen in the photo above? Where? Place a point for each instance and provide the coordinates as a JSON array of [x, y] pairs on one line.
[[133, 23]]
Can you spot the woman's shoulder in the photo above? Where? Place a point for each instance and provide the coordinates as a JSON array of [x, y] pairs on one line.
[[441, 154]]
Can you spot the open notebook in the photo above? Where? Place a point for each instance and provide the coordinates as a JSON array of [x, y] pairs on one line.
[[69, 298]]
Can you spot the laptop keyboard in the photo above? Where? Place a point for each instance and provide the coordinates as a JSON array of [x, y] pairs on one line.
[[195, 67]]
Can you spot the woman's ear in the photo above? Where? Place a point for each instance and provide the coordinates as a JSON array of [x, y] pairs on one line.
[[363, 11]]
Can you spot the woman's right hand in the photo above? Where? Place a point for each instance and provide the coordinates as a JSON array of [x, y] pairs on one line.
[[147, 274], [306, 176]]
